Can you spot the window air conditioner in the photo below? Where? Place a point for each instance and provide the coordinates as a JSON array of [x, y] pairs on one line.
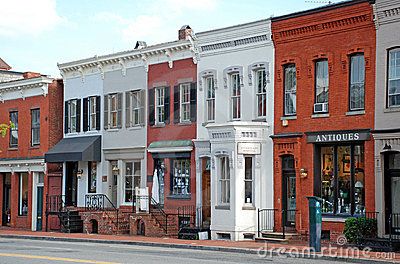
[[321, 108]]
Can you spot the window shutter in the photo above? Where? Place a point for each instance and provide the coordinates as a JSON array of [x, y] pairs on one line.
[[142, 111], [166, 105], [66, 125], [119, 121], [106, 124], [78, 115], [98, 112], [193, 102], [128, 109], [151, 108], [177, 111], [85, 114]]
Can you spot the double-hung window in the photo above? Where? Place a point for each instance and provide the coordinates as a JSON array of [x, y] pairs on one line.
[[160, 96], [134, 108], [248, 180], [92, 113], [321, 85], [181, 177], [35, 127], [290, 84], [72, 115], [261, 92], [185, 102], [394, 78], [113, 110], [14, 129], [210, 99], [235, 95], [132, 179], [357, 82], [224, 180]]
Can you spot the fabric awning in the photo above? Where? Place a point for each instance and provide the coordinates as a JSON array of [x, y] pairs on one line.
[[76, 149], [170, 146]]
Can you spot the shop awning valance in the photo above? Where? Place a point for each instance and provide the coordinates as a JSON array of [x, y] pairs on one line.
[[170, 146], [76, 149]]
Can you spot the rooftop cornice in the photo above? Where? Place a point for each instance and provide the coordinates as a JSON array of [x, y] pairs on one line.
[[25, 83]]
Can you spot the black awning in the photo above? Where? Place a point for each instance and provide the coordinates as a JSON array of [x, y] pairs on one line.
[[75, 149]]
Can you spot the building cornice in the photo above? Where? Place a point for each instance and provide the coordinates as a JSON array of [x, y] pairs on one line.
[[24, 88]]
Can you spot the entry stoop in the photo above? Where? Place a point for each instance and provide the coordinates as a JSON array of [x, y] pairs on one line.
[[277, 237]]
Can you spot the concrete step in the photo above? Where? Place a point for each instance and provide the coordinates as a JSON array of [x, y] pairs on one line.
[[272, 240]]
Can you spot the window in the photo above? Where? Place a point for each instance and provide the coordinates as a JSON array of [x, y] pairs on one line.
[[14, 129], [181, 177], [321, 82], [394, 78], [224, 180], [290, 89], [343, 179], [261, 93], [92, 176], [132, 179], [72, 116], [210, 99], [23, 194], [357, 82], [35, 127], [92, 113], [248, 180], [185, 102], [134, 108], [160, 96], [235, 95], [113, 111]]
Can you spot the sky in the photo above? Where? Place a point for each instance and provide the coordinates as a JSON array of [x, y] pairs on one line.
[[35, 35]]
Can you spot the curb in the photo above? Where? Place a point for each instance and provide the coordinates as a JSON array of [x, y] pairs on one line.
[[267, 255]]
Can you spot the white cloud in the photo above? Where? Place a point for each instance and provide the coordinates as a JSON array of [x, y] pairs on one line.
[[21, 17]]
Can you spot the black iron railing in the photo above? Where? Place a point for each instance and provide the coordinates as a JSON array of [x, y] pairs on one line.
[[266, 220], [186, 216], [394, 227], [101, 202], [158, 213], [54, 203]]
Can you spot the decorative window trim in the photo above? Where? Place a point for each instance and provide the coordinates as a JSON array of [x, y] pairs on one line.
[[230, 70], [392, 49], [209, 101], [255, 67], [204, 75]]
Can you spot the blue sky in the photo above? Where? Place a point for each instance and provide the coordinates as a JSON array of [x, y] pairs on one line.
[[36, 35]]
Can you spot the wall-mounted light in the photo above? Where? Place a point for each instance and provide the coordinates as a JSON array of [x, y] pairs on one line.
[[79, 174], [115, 170], [303, 173]]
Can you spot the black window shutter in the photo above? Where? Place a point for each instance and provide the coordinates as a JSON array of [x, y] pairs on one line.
[[78, 115], [85, 114], [166, 105], [193, 102], [128, 109], [98, 112], [66, 117], [177, 104], [151, 108], [106, 112], [119, 118], [142, 104]]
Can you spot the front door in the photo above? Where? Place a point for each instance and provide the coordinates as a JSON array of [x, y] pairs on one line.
[[206, 193], [71, 184], [6, 199], [160, 167], [289, 191], [39, 208], [392, 192], [114, 181]]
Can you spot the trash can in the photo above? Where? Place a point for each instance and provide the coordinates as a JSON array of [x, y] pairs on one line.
[[315, 220]]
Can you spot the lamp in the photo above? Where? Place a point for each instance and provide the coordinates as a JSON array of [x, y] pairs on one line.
[[387, 147], [358, 184], [303, 173], [79, 174], [115, 170]]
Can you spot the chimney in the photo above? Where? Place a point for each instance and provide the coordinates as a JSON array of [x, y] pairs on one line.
[[140, 45], [29, 75], [184, 32]]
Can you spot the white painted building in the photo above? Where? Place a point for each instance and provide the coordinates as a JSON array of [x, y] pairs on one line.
[[235, 119]]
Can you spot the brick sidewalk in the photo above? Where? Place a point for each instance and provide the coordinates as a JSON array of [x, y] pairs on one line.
[[296, 250]]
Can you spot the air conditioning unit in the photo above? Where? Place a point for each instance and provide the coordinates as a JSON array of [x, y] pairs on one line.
[[321, 108]]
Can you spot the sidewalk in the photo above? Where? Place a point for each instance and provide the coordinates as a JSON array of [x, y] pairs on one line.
[[265, 250]]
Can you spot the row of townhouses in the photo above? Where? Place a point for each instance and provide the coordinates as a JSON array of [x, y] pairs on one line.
[[228, 130]]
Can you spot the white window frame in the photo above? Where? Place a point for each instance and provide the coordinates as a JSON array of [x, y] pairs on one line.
[[261, 92], [210, 98], [92, 113], [132, 176], [224, 180], [159, 105], [321, 84], [113, 112], [236, 92], [184, 108], [359, 85], [249, 180], [291, 92], [180, 179], [72, 115], [135, 107], [392, 75]]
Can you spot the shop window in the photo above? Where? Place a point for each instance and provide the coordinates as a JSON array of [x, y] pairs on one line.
[[394, 161], [180, 177], [92, 176], [23, 194], [210, 99], [35, 127], [394, 78], [290, 84], [224, 180], [248, 180], [343, 179], [14, 129], [321, 86], [357, 82], [235, 95], [132, 179]]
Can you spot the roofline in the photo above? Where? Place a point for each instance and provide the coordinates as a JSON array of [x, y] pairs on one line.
[[321, 9], [232, 27], [24, 82]]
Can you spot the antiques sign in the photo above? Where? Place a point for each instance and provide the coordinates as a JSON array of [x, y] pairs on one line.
[[337, 136], [249, 148]]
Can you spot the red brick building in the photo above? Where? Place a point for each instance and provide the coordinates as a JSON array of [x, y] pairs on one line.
[[172, 127], [324, 111], [33, 102]]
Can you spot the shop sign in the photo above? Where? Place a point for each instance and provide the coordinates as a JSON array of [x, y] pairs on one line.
[[249, 148], [325, 137]]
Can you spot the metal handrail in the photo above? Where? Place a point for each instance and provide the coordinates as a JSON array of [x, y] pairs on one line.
[[163, 222], [187, 211]]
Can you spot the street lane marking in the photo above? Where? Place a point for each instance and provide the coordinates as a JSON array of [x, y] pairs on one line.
[[55, 258]]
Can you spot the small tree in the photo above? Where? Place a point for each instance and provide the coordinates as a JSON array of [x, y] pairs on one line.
[[4, 128]]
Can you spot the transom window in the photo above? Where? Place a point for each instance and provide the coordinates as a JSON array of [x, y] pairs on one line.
[[224, 180], [357, 82], [181, 177], [210, 99], [394, 78], [235, 95], [132, 179], [261, 93], [290, 83], [321, 82], [185, 102], [160, 114]]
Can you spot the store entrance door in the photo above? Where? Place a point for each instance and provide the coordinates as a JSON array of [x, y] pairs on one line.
[[6, 199], [392, 192], [71, 184], [289, 191]]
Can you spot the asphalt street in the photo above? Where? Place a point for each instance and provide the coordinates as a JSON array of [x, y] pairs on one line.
[[15, 251]]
